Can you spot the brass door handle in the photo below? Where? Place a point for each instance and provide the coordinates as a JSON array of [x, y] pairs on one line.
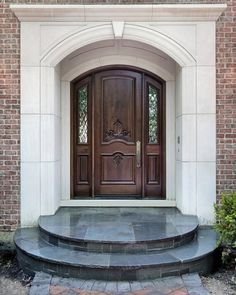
[[138, 154]]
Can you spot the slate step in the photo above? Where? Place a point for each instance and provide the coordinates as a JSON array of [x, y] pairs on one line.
[[118, 230], [34, 254]]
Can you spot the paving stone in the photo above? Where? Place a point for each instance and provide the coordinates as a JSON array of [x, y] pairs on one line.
[[41, 278], [135, 285], [67, 282], [162, 286], [60, 290], [123, 287], [111, 287], [88, 285], [40, 284], [148, 291], [99, 286], [148, 284], [197, 291], [194, 285], [192, 280], [45, 285], [171, 282], [181, 291], [39, 289], [93, 293]]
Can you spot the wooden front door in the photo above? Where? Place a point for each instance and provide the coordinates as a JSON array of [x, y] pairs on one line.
[[118, 135]]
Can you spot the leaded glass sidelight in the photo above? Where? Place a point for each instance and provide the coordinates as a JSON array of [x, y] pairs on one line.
[[83, 114], [153, 112]]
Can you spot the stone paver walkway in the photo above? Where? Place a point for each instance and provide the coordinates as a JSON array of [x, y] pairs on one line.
[[44, 284]]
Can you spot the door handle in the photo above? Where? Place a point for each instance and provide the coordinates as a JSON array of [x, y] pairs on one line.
[[138, 154]]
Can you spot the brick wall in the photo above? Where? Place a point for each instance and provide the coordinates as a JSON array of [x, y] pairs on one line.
[[9, 119], [10, 102], [226, 100]]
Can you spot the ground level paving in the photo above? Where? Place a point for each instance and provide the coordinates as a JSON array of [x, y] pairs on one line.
[[45, 284]]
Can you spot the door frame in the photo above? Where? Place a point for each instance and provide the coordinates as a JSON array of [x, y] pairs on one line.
[[72, 129]]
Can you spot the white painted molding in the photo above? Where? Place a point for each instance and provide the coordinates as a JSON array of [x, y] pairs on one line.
[[149, 12]]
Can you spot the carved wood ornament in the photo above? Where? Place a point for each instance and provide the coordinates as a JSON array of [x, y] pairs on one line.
[[118, 132], [117, 159]]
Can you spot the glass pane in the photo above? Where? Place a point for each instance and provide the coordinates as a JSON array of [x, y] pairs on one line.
[[83, 114], [153, 114]]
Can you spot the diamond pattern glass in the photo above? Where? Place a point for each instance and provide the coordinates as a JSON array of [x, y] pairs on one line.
[[153, 115], [83, 114]]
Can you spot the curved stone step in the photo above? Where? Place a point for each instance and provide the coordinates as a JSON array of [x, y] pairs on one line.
[[34, 254], [115, 230]]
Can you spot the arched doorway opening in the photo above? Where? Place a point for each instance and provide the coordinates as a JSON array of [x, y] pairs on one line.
[[118, 134]]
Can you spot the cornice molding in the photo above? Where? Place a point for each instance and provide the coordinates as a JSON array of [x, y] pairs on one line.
[[97, 13]]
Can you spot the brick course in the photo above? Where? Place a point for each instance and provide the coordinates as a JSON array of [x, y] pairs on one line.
[[10, 101]]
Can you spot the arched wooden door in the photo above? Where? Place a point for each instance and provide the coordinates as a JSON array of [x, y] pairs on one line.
[[118, 137]]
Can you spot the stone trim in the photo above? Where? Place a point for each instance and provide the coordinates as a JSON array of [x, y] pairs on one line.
[[151, 12]]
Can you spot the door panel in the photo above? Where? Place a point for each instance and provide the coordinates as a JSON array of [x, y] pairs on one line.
[[82, 137], [153, 168], [117, 128], [118, 108], [118, 168], [112, 111], [83, 169], [153, 136]]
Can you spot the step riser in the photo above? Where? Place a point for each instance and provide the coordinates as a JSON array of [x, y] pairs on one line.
[[31, 265], [137, 247]]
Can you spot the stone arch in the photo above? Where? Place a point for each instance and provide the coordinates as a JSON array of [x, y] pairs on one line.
[[135, 32]]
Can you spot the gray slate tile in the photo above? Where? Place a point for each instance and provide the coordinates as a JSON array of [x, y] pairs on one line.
[[110, 232]]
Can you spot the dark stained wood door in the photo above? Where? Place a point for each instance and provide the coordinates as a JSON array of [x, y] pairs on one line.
[[118, 138], [118, 125]]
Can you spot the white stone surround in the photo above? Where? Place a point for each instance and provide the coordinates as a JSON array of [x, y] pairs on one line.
[[60, 42]]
